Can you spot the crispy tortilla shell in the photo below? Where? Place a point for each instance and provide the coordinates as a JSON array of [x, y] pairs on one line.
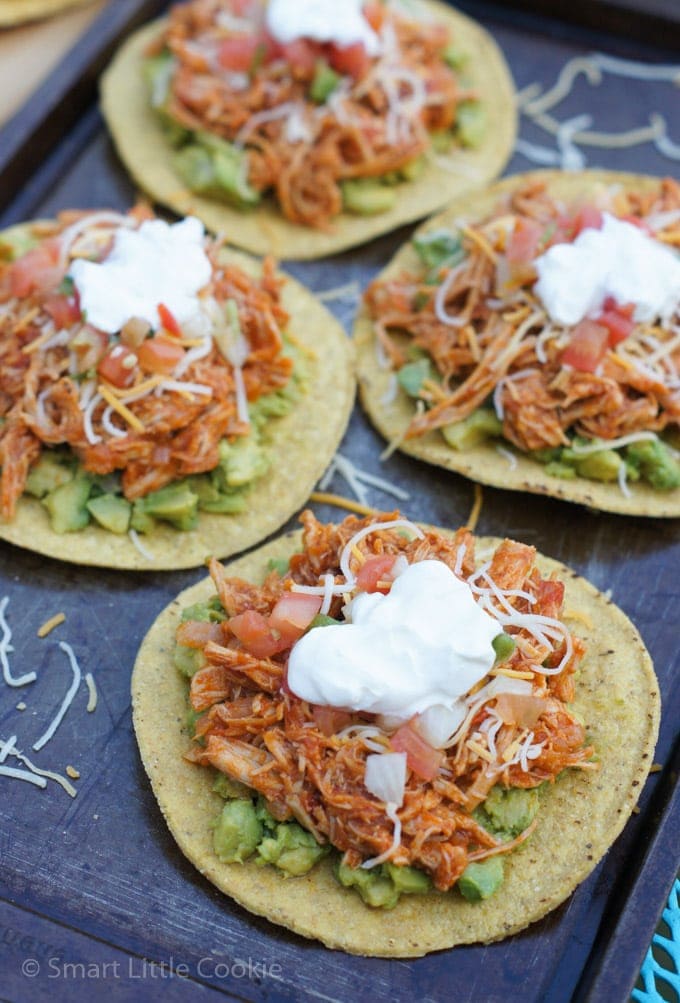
[[580, 816], [484, 463], [301, 444], [19, 11], [146, 153]]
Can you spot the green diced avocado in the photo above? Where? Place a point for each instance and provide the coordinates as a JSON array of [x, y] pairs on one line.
[[187, 660], [454, 58], [412, 376], [229, 789], [546, 455], [321, 620], [508, 812], [274, 405], [602, 466], [555, 468], [264, 815], [656, 463], [176, 504], [408, 880], [470, 123], [225, 504], [205, 612], [67, 505], [17, 241], [504, 645], [237, 832], [375, 888], [47, 474], [481, 879], [479, 426], [367, 196], [292, 849], [439, 248], [112, 512], [324, 83], [281, 565], [203, 487], [230, 166], [158, 71], [413, 169], [140, 520], [241, 461]]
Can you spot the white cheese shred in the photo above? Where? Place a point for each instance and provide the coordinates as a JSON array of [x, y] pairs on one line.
[[67, 701], [138, 545], [5, 648], [391, 812], [31, 778]]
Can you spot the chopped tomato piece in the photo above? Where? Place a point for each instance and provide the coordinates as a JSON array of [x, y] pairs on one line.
[[641, 224], [587, 347], [118, 366], [36, 271], [376, 569], [168, 320], [587, 218], [350, 60], [617, 323], [64, 312], [330, 720], [253, 631], [197, 633], [238, 53], [375, 15], [159, 355], [293, 614], [301, 54], [420, 757], [524, 241]]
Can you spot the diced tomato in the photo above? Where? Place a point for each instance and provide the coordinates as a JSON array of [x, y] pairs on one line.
[[168, 320], [330, 720], [65, 312], [587, 218], [641, 224], [420, 757], [239, 53], [524, 241], [88, 346], [375, 14], [350, 60], [374, 570], [253, 631], [197, 633], [292, 615], [618, 325], [159, 355], [36, 271], [118, 366], [587, 347], [302, 54]]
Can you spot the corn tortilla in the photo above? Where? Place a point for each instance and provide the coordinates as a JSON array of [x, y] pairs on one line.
[[14, 12], [145, 152], [580, 816], [484, 463], [301, 444]]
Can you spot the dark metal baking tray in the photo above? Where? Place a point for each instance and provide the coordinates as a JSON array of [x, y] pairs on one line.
[[97, 883]]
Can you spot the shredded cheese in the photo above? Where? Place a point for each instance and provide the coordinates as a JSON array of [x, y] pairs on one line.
[[579, 615], [50, 624], [67, 701], [138, 545], [6, 648], [92, 692], [326, 498], [473, 518], [349, 291], [125, 413]]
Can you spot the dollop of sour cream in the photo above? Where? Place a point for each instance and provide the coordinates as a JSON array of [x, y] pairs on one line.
[[339, 21], [620, 261], [425, 643], [157, 263]]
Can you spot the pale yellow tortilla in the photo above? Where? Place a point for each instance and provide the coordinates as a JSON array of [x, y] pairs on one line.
[[484, 463], [580, 816], [147, 155], [19, 11], [301, 445]]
